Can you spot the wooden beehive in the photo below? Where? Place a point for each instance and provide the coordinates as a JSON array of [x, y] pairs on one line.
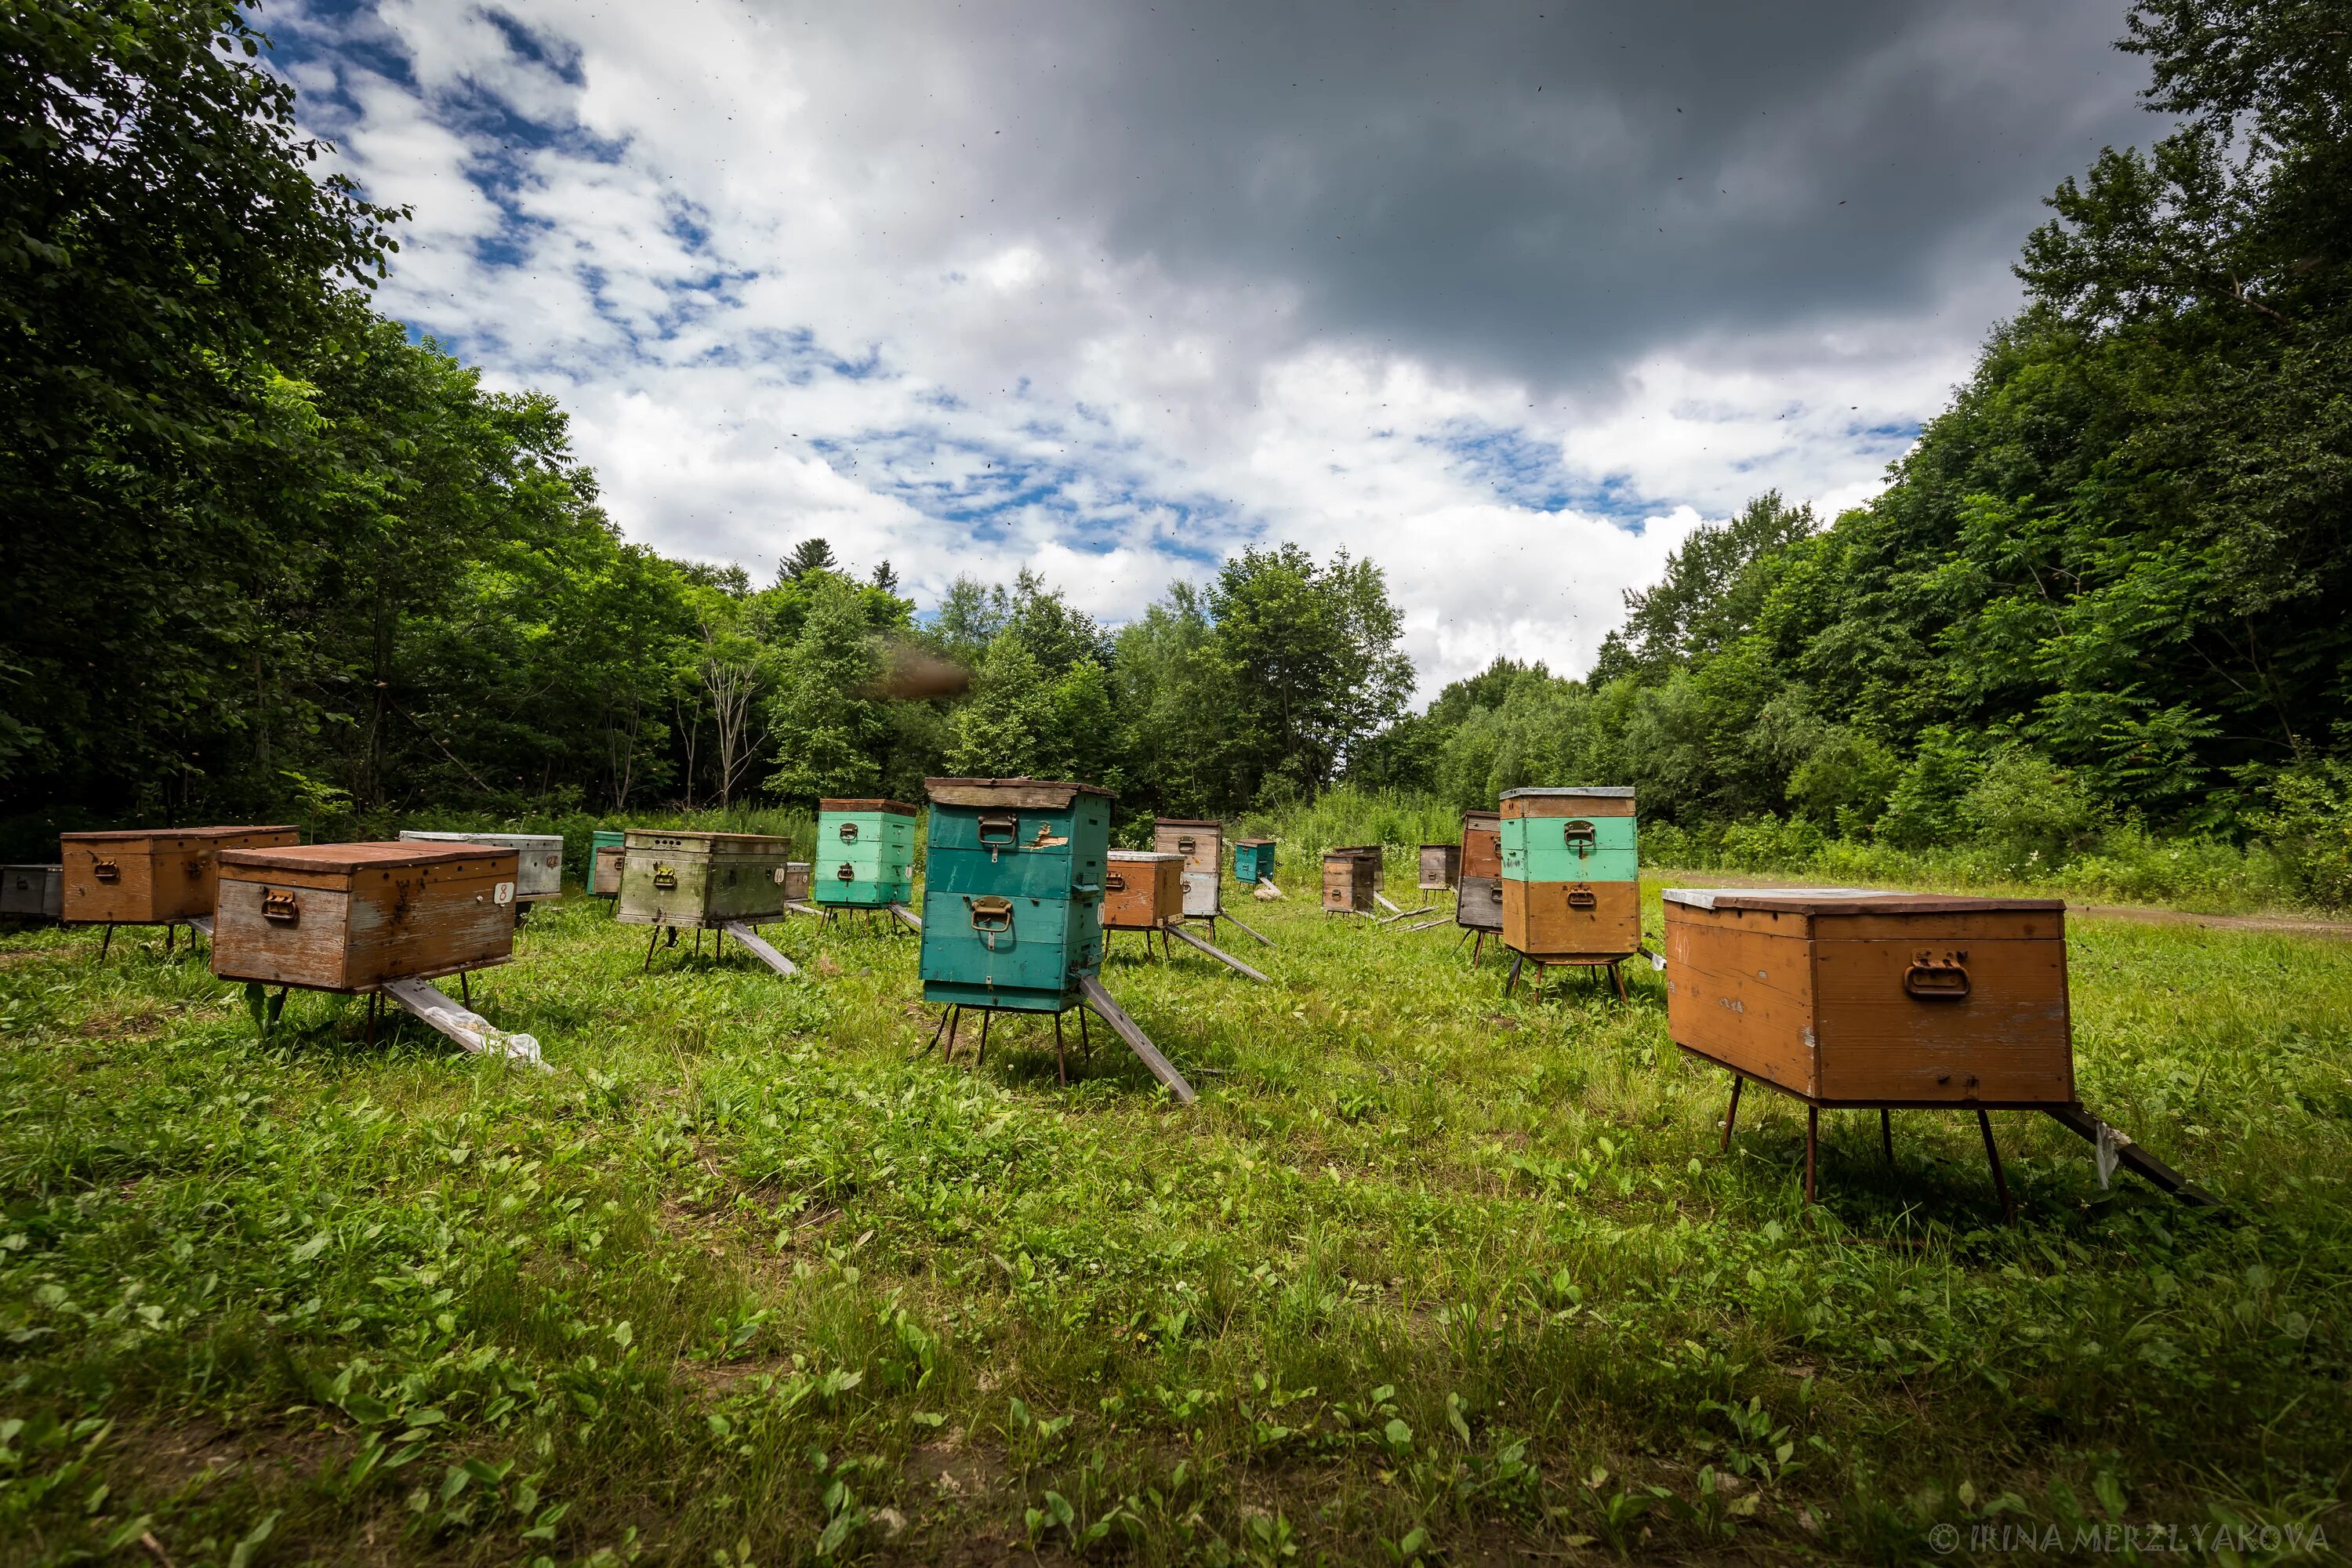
[[1351, 876], [1441, 865], [1202, 843], [607, 847], [539, 857], [352, 917], [1845, 997], [1479, 903], [1253, 861], [1013, 889], [36, 892], [1482, 844], [1142, 890], [1571, 880], [865, 853], [688, 878], [149, 876]]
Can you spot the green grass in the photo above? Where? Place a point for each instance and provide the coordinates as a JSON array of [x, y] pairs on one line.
[[1424, 1275]]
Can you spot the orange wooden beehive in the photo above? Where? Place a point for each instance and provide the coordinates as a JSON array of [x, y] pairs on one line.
[[1482, 844], [1142, 890], [147, 876], [351, 917], [1843, 998]]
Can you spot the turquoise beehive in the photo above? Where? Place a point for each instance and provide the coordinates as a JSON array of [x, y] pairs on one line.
[[865, 854], [1013, 884]]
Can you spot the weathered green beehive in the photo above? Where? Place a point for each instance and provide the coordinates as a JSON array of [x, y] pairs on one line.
[[1013, 887], [1253, 861], [865, 854], [691, 880]]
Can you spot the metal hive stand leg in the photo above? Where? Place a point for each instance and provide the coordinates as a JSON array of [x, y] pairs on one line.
[[1732, 1114], [465, 988], [1516, 960], [170, 936], [985, 1014], [106, 942], [1061, 1059], [1886, 1132], [653, 939], [2000, 1182], [1813, 1147]]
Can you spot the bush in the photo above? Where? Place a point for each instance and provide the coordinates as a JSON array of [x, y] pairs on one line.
[[2309, 826], [2028, 812]]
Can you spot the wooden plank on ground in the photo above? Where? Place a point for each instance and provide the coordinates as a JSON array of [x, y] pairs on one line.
[[908, 915], [2120, 1147], [468, 1029], [760, 946], [804, 910], [202, 922], [1227, 959], [1385, 903], [1405, 914], [1271, 890], [1260, 935], [1126, 1029]]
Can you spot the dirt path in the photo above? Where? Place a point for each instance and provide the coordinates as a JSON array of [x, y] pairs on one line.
[[2285, 925]]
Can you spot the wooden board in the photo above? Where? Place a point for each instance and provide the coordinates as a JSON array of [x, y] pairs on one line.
[[1603, 800], [1142, 891], [1017, 794], [760, 947], [149, 876], [1137, 1040], [1478, 905], [1227, 959], [1553, 920], [1744, 999], [468, 1029], [352, 917]]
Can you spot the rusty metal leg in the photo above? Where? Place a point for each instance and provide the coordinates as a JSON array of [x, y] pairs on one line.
[[106, 942], [955, 1022], [2000, 1182], [1886, 1132], [1512, 978], [1731, 1115], [697, 942], [652, 942], [1813, 1146], [937, 1030], [1061, 1060], [170, 936], [1477, 949], [982, 1061], [1085, 1045], [1617, 976]]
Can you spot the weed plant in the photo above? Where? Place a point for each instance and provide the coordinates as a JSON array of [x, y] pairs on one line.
[[1425, 1276]]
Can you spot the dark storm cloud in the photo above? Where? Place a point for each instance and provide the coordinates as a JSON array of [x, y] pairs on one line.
[[1545, 189]]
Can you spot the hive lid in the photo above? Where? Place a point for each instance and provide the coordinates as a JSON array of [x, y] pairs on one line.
[[1031, 795], [359, 856], [419, 835], [1851, 901], [1143, 855], [712, 839], [1355, 849], [1469, 816], [119, 834], [1186, 822], [1252, 843], [896, 807], [1604, 791]]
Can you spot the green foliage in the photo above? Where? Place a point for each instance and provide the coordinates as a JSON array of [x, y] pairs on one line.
[[1426, 1274]]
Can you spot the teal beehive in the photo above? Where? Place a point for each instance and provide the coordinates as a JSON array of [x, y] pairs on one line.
[[1013, 884], [607, 848], [1253, 861], [865, 854]]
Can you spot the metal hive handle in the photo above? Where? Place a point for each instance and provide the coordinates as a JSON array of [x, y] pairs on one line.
[[282, 907], [1115, 882], [1937, 979], [991, 913], [847, 873], [1581, 897], [106, 870], [849, 833], [664, 878], [1579, 835], [1001, 827]]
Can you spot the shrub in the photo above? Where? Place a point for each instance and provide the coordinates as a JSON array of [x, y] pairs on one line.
[[2309, 827]]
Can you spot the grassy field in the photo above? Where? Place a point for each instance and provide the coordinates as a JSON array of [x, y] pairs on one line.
[[1425, 1275]]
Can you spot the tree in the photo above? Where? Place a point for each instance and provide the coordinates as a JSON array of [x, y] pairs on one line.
[[827, 737], [808, 556]]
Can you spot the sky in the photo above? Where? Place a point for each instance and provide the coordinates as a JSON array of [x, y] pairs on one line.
[[1507, 298]]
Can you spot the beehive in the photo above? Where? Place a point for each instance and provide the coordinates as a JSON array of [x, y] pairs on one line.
[[1479, 903], [1013, 889], [1253, 861], [151, 875], [865, 853], [1142, 890], [1352, 877], [352, 917], [1855, 998], [1202, 843], [692, 880], [1482, 844], [1441, 867], [607, 847], [539, 857], [33, 891], [1572, 882]]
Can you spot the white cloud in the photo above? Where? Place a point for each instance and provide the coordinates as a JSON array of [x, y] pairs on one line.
[[806, 272]]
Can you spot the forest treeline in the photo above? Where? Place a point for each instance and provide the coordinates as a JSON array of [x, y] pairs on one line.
[[268, 555]]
